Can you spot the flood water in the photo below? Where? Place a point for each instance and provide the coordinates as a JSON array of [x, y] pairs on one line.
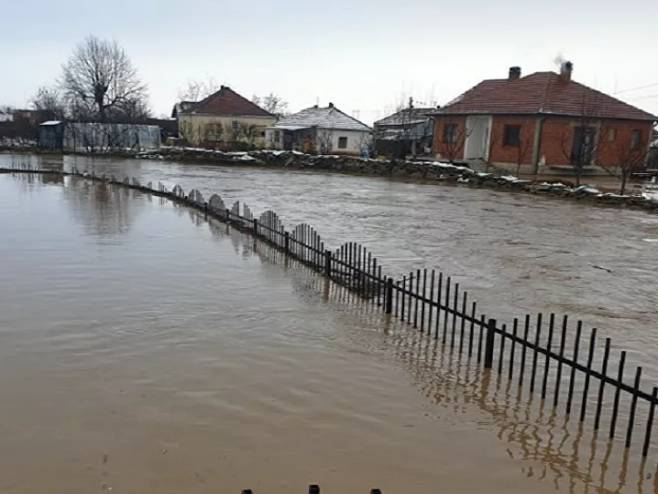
[[143, 349], [515, 253]]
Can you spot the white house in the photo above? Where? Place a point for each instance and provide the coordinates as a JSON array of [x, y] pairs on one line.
[[320, 130]]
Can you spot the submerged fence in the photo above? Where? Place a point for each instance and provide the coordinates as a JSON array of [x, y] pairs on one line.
[[533, 352]]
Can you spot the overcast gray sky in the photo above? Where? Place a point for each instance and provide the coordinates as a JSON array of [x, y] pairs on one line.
[[364, 56]]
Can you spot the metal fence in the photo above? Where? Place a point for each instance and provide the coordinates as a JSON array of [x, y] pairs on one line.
[[532, 352]]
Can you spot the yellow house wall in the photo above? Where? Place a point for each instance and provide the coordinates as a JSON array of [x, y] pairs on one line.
[[197, 129]]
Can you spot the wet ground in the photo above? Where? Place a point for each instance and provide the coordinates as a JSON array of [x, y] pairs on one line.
[[125, 365]]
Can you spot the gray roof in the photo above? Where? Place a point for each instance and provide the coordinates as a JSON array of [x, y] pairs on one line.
[[329, 117], [407, 116]]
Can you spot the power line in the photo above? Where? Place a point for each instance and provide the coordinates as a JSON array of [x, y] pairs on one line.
[[646, 96], [636, 88]]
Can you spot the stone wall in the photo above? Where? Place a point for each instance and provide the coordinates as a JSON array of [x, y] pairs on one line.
[[424, 171]]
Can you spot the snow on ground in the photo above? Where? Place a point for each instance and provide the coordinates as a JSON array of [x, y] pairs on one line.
[[651, 196]]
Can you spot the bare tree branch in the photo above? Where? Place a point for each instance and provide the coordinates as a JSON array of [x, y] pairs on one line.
[[100, 82]]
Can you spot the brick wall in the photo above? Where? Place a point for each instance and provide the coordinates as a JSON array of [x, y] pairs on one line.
[[500, 153], [611, 143], [442, 149]]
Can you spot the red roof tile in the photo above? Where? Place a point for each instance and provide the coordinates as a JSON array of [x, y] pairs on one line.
[[541, 93], [228, 102]]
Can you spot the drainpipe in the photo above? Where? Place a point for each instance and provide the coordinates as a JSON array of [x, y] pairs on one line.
[[537, 144]]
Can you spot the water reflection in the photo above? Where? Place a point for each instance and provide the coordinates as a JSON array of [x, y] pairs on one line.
[[547, 447], [516, 253], [103, 210]]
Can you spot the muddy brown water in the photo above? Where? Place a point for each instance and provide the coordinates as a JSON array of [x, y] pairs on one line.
[[125, 365], [515, 253]]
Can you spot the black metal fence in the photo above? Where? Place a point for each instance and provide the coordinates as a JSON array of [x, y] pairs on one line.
[[535, 352]]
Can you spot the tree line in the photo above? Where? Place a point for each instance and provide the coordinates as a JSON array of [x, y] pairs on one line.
[[99, 83]]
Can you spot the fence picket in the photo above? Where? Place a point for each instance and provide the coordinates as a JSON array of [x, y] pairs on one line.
[[547, 361], [588, 373], [572, 378], [535, 353], [604, 371], [558, 378], [631, 413]]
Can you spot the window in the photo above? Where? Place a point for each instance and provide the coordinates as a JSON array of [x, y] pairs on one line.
[[612, 135], [636, 139], [342, 143], [450, 132], [512, 135], [236, 126]]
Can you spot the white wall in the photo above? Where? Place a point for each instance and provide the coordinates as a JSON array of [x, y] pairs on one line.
[[356, 141]]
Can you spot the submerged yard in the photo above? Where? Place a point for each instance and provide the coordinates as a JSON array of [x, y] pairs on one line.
[[147, 350]]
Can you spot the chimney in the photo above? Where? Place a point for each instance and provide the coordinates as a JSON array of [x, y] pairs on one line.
[[331, 105], [514, 73], [565, 71]]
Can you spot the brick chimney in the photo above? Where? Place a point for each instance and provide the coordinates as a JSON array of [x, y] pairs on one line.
[[566, 68], [514, 73]]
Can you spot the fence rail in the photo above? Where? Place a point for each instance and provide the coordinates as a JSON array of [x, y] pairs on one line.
[[434, 304]]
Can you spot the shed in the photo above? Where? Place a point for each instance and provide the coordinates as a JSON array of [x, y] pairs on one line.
[[51, 135]]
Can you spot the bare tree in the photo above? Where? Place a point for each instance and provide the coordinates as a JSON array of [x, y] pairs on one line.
[[630, 161], [196, 89], [524, 148], [579, 144], [272, 103], [250, 132], [452, 140], [628, 156], [100, 80], [325, 139], [50, 100]]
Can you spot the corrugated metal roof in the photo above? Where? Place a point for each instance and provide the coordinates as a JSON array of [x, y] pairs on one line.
[[541, 93], [328, 117], [406, 116]]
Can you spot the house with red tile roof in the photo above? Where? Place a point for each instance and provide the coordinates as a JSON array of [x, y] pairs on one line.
[[224, 120], [540, 123]]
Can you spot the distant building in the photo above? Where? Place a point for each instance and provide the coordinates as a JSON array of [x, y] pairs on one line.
[[23, 124], [223, 120], [57, 135], [51, 135], [542, 121], [320, 130], [408, 131]]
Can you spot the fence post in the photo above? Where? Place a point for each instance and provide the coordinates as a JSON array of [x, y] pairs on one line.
[[327, 263], [205, 208], [286, 242], [388, 301], [255, 227], [489, 346]]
